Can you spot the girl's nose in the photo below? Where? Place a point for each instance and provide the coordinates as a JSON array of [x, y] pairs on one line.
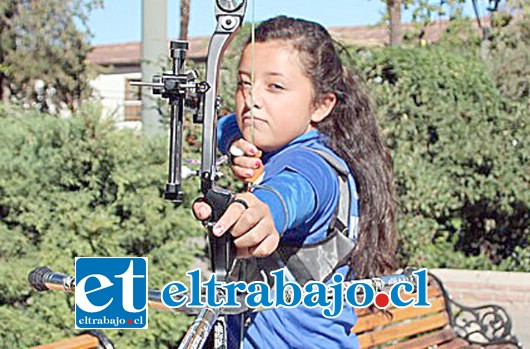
[[253, 97]]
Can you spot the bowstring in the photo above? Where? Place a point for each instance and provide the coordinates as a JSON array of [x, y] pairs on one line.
[[252, 58], [242, 275], [252, 63]]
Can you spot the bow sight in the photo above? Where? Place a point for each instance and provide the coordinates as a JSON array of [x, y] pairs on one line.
[[180, 88]]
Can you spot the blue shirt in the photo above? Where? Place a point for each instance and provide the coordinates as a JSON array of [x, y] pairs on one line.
[[302, 192]]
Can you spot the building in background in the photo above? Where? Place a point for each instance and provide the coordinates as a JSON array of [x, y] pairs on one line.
[[121, 65]]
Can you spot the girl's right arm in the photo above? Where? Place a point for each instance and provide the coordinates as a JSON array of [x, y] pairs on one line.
[[227, 132]]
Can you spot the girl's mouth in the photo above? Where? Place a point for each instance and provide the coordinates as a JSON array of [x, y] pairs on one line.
[[249, 119]]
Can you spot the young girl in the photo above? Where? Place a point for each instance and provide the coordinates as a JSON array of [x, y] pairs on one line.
[[302, 102]]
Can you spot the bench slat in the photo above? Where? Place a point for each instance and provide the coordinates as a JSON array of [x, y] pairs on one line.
[[427, 340], [403, 330], [84, 341], [458, 343], [399, 314]]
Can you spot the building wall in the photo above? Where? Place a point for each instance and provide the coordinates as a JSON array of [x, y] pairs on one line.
[[110, 90]]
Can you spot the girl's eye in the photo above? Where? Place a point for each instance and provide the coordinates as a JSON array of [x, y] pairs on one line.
[[242, 83], [276, 87]]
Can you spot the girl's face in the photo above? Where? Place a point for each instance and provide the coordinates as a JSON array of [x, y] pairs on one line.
[[283, 96]]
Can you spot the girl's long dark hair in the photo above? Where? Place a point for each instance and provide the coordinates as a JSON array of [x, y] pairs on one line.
[[352, 133]]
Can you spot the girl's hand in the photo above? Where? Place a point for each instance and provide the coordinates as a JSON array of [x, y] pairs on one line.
[[245, 164], [253, 228]]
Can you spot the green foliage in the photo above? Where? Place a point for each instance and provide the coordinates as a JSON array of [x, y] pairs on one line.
[[427, 11], [461, 34], [43, 51], [460, 154], [509, 51], [79, 187]]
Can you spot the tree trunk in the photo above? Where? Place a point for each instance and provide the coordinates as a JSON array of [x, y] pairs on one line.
[[184, 19], [4, 90], [394, 16]]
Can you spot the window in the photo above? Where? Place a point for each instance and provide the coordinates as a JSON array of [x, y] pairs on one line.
[[133, 101]]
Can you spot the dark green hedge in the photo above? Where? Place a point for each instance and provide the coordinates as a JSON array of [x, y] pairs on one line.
[[461, 157], [79, 187]]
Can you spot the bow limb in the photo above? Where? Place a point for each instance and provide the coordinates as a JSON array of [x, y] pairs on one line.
[[229, 16], [228, 23], [222, 251]]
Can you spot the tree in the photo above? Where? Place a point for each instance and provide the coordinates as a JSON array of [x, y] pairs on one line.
[[460, 153], [509, 50], [422, 13], [43, 50], [394, 18], [184, 19], [90, 198]]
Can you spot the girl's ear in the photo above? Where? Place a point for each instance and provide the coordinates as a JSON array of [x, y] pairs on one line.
[[324, 107]]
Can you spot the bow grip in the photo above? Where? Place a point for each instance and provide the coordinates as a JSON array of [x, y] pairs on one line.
[[222, 249]]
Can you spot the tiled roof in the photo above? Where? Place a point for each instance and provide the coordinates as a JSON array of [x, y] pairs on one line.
[[124, 53], [129, 53]]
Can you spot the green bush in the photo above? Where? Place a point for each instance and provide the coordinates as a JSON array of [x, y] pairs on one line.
[[79, 187], [461, 157]]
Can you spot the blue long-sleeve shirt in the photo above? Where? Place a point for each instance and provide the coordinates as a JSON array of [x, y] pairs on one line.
[[297, 199], [302, 192]]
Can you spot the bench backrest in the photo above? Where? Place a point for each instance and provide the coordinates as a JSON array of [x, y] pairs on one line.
[[84, 341], [92, 339], [407, 327]]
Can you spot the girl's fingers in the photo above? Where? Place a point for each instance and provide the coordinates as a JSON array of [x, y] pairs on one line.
[[242, 172], [250, 223], [252, 238], [235, 150], [201, 210], [247, 148], [260, 241], [243, 253], [229, 218], [247, 162], [252, 217], [266, 247]]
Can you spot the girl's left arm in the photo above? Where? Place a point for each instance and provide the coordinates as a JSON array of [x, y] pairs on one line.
[[290, 197], [283, 202]]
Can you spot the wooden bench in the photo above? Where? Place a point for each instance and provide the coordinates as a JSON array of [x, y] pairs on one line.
[[86, 340], [446, 324]]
